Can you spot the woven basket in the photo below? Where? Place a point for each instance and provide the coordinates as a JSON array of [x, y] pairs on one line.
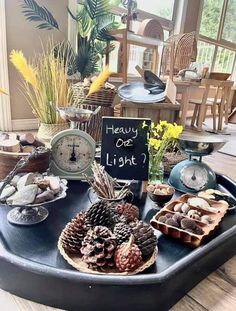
[[47, 131], [171, 159], [78, 264], [94, 126], [104, 97]]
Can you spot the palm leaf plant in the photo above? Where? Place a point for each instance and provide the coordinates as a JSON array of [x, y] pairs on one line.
[[94, 22]]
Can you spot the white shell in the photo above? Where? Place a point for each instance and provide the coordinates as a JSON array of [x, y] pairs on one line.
[[198, 202]]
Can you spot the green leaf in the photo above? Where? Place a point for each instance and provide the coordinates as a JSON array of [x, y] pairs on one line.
[[97, 8], [37, 13]]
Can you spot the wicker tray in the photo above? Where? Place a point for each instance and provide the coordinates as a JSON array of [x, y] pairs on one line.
[[191, 239], [80, 265]]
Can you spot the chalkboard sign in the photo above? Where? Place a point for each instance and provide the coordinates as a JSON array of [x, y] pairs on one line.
[[124, 151]]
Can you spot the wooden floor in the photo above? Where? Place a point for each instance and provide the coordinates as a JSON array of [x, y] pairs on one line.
[[215, 293]]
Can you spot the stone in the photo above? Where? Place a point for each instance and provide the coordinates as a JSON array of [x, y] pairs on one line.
[[15, 180], [25, 180], [7, 192], [45, 196], [54, 183], [26, 195]]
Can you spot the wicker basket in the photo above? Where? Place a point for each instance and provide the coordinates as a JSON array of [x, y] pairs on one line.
[[171, 159], [104, 97], [47, 131], [94, 126]]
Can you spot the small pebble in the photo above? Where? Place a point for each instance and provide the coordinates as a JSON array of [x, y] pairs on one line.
[[198, 230], [168, 215]]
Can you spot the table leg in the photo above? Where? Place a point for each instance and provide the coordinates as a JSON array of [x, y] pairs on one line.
[[185, 106]]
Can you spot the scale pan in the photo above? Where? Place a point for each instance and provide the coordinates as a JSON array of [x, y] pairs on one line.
[[137, 92], [200, 146], [75, 114]]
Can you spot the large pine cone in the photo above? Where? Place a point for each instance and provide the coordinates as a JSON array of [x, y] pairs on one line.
[[122, 232], [129, 211], [128, 256], [98, 248], [115, 218], [99, 214], [144, 237], [74, 233]]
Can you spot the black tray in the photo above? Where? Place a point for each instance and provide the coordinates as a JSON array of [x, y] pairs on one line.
[[31, 266]]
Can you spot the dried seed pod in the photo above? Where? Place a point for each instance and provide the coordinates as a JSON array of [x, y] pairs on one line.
[[172, 222], [162, 219]]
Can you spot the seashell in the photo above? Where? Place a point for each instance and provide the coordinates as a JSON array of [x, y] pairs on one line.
[[177, 207], [210, 191], [185, 208], [198, 202], [206, 219], [224, 202]]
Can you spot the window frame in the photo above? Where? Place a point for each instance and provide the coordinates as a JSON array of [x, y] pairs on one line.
[[219, 41], [167, 24]]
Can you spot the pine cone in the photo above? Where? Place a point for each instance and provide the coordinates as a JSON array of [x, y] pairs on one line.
[[99, 214], [122, 232], [98, 248], [131, 212], [144, 237], [128, 256], [74, 233], [115, 218]]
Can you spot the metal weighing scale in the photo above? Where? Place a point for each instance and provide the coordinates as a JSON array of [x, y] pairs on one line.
[[73, 150], [193, 175]]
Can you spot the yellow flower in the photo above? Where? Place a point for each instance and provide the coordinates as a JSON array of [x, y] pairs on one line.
[[2, 92], [26, 70], [144, 124], [155, 143], [100, 81]]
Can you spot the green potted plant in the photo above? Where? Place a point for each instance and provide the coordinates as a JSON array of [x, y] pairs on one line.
[[94, 22]]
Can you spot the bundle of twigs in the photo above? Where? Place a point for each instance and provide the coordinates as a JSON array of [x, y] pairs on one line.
[[104, 185]]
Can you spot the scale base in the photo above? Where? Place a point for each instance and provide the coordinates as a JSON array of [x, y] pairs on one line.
[[25, 216]]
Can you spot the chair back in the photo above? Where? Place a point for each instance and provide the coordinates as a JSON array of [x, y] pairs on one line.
[[221, 89]]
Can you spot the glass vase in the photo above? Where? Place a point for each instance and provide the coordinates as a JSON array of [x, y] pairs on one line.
[[156, 170]]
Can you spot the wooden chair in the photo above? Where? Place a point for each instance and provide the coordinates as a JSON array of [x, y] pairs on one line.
[[218, 98]]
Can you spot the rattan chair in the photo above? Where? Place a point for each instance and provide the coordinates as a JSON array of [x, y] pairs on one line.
[[185, 52], [220, 99]]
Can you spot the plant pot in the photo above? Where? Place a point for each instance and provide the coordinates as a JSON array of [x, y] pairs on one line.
[[47, 131]]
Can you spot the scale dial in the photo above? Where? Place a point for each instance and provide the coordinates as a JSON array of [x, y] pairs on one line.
[[72, 153], [194, 177]]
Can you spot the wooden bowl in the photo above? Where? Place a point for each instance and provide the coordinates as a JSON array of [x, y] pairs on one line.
[[8, 161], [219, 76], [161, 199]]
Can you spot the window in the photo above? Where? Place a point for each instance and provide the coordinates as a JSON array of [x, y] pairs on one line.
[[158, 7], [217, 36]]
